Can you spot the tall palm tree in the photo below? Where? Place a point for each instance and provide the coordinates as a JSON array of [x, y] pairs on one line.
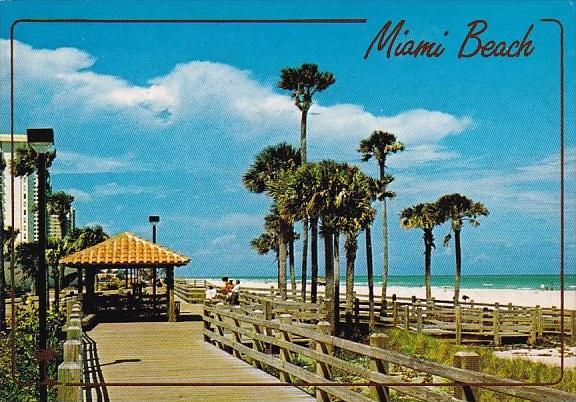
[[60, 204], [355, 213], [457, 209], [28, 257], [296, 195], [426, 217], [87, 237], [379, 145], [267, 167], [304, 82]]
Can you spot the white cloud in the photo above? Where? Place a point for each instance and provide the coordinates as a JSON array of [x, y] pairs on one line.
[[200, 93], [532, 189], [69, 162], [79, 195], [115, 189]]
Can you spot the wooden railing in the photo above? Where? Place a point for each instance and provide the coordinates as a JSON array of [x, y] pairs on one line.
[[70, 370], [279, 343], [467, 321]]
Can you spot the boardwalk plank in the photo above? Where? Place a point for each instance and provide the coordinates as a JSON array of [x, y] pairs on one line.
[[176, 352]]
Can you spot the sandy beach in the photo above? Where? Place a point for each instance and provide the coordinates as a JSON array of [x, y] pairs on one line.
[[519, 297]]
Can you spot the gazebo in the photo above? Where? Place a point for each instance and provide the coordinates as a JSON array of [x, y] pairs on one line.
[[128, 251]]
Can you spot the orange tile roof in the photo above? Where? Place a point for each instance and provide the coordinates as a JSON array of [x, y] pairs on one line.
[[125, 250]]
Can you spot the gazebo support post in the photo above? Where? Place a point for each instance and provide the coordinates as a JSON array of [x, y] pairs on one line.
[[154, 276], [170, 293], [80, 280]]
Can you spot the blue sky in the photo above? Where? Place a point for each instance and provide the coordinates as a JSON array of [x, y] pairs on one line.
[[164, 119]]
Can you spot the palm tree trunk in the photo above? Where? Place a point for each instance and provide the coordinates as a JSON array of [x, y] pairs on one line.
[[329, 274], [336, 252], [314, 257], [304, 257], [428, 239], [282, 245], [458, 266], [351, 247], [291, 261], [303, 122], [384, 245], [370, 274]]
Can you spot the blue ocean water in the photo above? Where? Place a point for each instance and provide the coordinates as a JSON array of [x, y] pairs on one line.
[[468, 281]]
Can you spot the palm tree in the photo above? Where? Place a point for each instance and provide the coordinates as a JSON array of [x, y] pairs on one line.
[[458, 208], [426, 217], [28, 257], [355, 213], [379, 145], [60, 204], [25, 161], [267, 168], [87, 237], [304, 82]]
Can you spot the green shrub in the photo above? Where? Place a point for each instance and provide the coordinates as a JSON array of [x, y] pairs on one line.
[[23, 388]]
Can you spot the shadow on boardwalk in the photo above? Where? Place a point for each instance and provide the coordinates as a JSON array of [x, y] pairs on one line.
[[93, 372]]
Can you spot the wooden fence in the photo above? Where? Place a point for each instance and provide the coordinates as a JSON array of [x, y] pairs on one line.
[[70, 370], [465, 322], [280, 343]]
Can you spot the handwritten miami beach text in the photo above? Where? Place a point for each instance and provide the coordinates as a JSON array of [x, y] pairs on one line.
[[395, 41]]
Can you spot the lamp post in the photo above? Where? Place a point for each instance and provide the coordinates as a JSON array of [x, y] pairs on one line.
[[154, 219], [41, 140]]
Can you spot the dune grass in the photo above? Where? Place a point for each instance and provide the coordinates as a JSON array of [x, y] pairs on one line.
[[442, 351]]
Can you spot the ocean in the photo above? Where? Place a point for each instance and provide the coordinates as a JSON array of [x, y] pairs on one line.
[[468, 281]]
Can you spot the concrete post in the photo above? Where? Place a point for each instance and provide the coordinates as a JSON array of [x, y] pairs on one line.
[[467, 361], [379, 393]]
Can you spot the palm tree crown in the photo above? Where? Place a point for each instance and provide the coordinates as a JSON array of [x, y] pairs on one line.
[[458, 208], [269, 164], [304, 82], [379, 145]]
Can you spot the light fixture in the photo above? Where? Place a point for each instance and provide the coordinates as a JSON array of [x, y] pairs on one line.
[[40, 140], [154, 218]]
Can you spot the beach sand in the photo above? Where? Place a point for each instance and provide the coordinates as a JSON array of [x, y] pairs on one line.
[[519, 297]]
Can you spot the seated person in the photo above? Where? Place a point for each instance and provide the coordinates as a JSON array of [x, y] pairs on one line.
[[224, 288], [235, 294], [210, 292]]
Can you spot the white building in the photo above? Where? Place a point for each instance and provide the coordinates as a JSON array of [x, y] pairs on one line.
[[25, 193]]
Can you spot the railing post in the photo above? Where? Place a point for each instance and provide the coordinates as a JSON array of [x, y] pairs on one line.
[[285, 353], [418, 317], [540, 321], [467, 361], [70, 370], [357, 310], [379, 393], [572, 324], [259, 346], [458, 322], [496, 324], [533, 328], [322, 370], [207, 326], [406, 318], [394, 314]]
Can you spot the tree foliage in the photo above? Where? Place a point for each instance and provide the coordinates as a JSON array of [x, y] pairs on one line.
[[304, 82]]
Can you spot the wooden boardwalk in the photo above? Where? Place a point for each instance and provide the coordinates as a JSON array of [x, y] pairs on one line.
[[172, 352]]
